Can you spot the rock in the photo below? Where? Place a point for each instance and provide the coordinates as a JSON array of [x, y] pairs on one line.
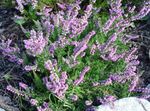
[[5, 103], [126, 104], [2, 109]]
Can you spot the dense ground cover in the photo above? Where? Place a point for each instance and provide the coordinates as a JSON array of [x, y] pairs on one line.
[[75, 53]]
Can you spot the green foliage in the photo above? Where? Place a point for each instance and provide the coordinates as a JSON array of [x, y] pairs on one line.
[[7, 3], [101, 3], [30, 13], [52, 3], [38, 83], [20, 21], [40, 60], [30, 18], [54, 36]]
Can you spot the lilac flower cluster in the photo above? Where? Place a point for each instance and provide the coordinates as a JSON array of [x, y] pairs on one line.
[[22, 3], [33, 102], [145, 96], [134, 83], [30, 68], [56, 85], [44, 107], [36, 44], [82, 46], [112, 54], [120, 27], [143, 12], [129, 74], [107, 50], [70, 62], [93, 49], [23, 85], [21, 91], [81, 77], [119, 23], [108, 42], [48, 26], [67, 18], [50, 65], [73, 24], [142, 90], [61, 42], [14, 90], [10, 52], [106, 99], [115, 13]]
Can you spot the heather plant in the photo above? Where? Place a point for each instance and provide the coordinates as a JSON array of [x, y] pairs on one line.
[[74, 55]]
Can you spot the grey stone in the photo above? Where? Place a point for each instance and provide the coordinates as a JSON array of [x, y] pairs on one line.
[[2, 109], [1, 30], [126, 104], [6, 104]]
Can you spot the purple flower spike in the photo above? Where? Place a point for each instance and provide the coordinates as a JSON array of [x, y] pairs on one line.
[[109, 41], [56, 85], [115, 12], [81, 77], [35, 45], [74, 97], [82, 46], [23, 85], [48, 65], [143, 12], [93, 49], [44, 107], [46, 11], [14, 90], [30, 68], [33, 102], [62, 6], [10, 52], [134, 83], [21, 4]]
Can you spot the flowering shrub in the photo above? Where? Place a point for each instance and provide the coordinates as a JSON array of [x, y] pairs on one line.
[[76, 55]]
